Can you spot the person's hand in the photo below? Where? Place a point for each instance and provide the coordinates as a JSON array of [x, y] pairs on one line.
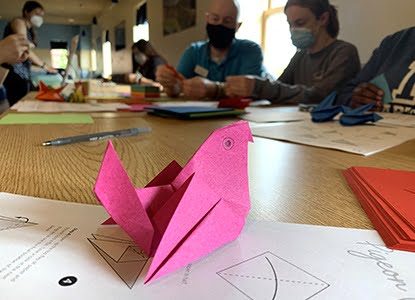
[[240, 86], [50, 70], [167, 77], [367, 93], [199, 88], [14, 49]]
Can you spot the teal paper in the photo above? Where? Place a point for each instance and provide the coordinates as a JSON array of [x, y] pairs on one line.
[[382, 84]]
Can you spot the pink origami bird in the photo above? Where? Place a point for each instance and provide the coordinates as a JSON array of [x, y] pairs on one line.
[[184, 213]]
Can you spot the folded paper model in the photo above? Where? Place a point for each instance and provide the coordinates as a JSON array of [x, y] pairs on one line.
[[184, 213], [50, 94]]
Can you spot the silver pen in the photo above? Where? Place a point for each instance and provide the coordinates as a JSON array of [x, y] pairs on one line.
[[97, 136]]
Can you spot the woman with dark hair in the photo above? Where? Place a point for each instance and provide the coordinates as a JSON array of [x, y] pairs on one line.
[[145, 62], [17, 82], [322, 64]]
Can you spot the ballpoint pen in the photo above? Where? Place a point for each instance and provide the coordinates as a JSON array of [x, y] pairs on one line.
[[97, 136]]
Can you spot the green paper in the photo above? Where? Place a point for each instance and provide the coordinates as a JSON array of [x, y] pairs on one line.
[[382, 84], [25, 119]]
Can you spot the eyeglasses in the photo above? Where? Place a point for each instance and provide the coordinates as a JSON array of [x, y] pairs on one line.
[[215, 19]]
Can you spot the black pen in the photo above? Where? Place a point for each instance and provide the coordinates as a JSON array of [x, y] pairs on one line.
[[97, 136]]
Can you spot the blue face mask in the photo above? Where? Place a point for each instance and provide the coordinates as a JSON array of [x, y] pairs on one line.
[[302, 38]]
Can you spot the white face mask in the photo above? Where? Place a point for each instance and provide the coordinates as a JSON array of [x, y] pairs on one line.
[[140, 58], [36, 21]]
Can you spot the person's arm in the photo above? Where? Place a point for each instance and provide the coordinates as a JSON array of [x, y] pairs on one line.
[[343, 68], [14, 49], [369, 72], [19, 26]]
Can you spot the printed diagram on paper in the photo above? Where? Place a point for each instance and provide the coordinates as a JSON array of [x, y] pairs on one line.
[[268, 276], [123, 256], [363, 140], [7, 223]]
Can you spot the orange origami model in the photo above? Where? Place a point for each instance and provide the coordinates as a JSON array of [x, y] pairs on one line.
[[50, 94]]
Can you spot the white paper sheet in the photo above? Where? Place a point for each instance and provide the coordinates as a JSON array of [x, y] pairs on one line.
[[270, 115], [397, 119], [56, 250], [43, 106], [363, 140]]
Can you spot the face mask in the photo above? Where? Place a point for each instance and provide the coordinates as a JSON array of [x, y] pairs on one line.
[[36, 21], [220, 36], [140, 59], [302, 38]]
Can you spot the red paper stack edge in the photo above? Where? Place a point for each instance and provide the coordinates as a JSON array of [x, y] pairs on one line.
[[388, 197]]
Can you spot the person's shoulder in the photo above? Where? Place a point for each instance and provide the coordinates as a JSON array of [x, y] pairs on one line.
[[402, 35], [248, 47], [344, 46], [198, 46], [17, 20], [247, 44]]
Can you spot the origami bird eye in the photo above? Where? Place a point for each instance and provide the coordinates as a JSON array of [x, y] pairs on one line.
[[228, 143]]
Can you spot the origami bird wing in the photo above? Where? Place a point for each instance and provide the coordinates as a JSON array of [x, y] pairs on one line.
[[360, 116], [179, 219], [167, 175], [117, 194], [326, 111], [49, 94]]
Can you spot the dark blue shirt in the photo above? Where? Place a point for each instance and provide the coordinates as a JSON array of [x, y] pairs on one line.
[[395, 58], [244, 58]]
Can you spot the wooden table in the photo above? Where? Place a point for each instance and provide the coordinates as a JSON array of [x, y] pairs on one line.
[[289, 182]]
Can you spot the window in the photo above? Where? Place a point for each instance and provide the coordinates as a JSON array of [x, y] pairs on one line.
[[141, 28], [264, 22], [59, 58], [276, 39], [141, 32]]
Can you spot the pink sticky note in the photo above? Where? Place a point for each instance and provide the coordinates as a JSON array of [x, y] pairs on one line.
[[184, 213]]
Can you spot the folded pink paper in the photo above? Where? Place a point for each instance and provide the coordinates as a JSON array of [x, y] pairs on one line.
[[184, 213]]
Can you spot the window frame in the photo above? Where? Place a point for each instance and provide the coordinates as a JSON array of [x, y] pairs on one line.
[[265, 15]]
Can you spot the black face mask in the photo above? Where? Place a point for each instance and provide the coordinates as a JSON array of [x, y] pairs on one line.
[[220, 36]]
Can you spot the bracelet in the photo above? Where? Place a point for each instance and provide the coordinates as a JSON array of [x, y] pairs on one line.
[[44, 65], [220, 90], [217, 87]]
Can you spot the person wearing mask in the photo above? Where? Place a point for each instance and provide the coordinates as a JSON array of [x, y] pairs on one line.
[[17, 82], [204, 66], [13, 49], [395, 59], [145, 63], [322, 64]]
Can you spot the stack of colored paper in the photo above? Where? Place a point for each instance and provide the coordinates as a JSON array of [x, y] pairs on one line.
[[144, 91], [194, 112], [388, 197]]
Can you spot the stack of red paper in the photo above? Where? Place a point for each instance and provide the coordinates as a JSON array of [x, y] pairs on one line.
[[388, 197]]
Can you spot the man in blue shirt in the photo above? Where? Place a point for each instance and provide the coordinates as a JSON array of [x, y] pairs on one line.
[[395, 59], [204, 66]]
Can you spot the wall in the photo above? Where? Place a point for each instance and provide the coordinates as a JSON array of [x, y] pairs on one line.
[[171, 47], [366, 23], [123, 11]]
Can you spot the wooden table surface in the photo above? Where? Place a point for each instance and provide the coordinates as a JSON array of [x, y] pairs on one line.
[[288, 182]]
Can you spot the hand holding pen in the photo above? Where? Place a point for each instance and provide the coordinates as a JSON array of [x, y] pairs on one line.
[[170, 79]]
